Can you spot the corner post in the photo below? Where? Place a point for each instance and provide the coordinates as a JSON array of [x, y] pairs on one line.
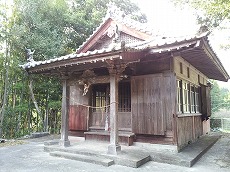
[[64, 141]]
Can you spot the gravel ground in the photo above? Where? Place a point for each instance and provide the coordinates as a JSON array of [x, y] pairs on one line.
[[30, 157]]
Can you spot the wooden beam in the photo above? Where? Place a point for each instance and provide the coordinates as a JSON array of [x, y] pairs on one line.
[[77, 61], [64, 141], [114, 146]]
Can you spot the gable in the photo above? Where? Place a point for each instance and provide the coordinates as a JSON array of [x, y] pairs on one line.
[[104, 35], [106, 41]]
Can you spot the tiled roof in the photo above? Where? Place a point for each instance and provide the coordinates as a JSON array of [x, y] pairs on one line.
[[71, 56], [157, 45], [160, 44]]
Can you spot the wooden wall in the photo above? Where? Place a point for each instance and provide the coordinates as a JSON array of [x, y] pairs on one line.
[[189, 129], [150, 66], [153, 98], [195, 76], [78, 114], [189, 126], [97, 121], [206, 126], [124, 121]]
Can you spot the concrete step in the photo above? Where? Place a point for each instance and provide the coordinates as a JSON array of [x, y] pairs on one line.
[[131, 160], [126, 158], [196, 150], [83, 158], [51, 142], [189, 155]]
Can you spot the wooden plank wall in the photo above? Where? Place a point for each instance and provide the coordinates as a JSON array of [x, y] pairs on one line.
[[205, 101], [97, 120], [189, 126], [169, 101], [189, 129], [193, 72], [124, 121], [152, 104], [78, 114]]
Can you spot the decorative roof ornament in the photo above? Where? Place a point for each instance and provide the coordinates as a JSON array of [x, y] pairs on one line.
[[29, 55], [204, 30]]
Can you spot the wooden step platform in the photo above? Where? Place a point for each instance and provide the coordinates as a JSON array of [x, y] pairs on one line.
[[126, 138]]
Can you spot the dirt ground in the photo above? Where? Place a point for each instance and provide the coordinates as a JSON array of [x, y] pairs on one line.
[[28, 155]]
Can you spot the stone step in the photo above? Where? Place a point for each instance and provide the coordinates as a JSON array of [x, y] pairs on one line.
[[130, 161], [125, 158], [83, 158], [39, 134], [51, 142], [189, 155]]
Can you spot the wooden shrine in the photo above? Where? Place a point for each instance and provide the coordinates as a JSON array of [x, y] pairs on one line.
[[125, 85]]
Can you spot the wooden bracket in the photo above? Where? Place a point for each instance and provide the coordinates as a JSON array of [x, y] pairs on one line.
[[116, 68]]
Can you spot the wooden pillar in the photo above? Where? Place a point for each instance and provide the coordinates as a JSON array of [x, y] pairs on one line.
[[114, 146], [64, 141]]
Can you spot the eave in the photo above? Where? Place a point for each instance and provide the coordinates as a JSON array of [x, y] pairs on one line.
[[86, 62], [205, 60]]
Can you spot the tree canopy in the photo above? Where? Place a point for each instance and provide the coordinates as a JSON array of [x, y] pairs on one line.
[[211, 13], [220, 97]]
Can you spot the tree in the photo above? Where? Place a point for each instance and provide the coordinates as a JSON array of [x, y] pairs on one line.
[[6, 56], [210, 13], [216, 98], [220, 97]]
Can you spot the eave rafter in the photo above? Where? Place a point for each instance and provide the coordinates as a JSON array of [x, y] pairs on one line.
[[76, 62], [215, 60]]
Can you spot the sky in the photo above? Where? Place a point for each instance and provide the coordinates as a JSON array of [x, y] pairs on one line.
[[169, 20]]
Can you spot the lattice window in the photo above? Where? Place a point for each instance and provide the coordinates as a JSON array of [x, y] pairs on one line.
[[124, 96], [99, 98], [128, 38]]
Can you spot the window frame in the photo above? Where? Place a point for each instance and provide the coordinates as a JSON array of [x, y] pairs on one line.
[[188, 97]]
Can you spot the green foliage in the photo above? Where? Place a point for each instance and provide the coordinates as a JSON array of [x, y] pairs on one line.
[[211, 13], [220, 97]]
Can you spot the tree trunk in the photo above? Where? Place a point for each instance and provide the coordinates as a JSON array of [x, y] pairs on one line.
[[20, 112], [29, 116], [34, 101], [5, 95], [46, 112]]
